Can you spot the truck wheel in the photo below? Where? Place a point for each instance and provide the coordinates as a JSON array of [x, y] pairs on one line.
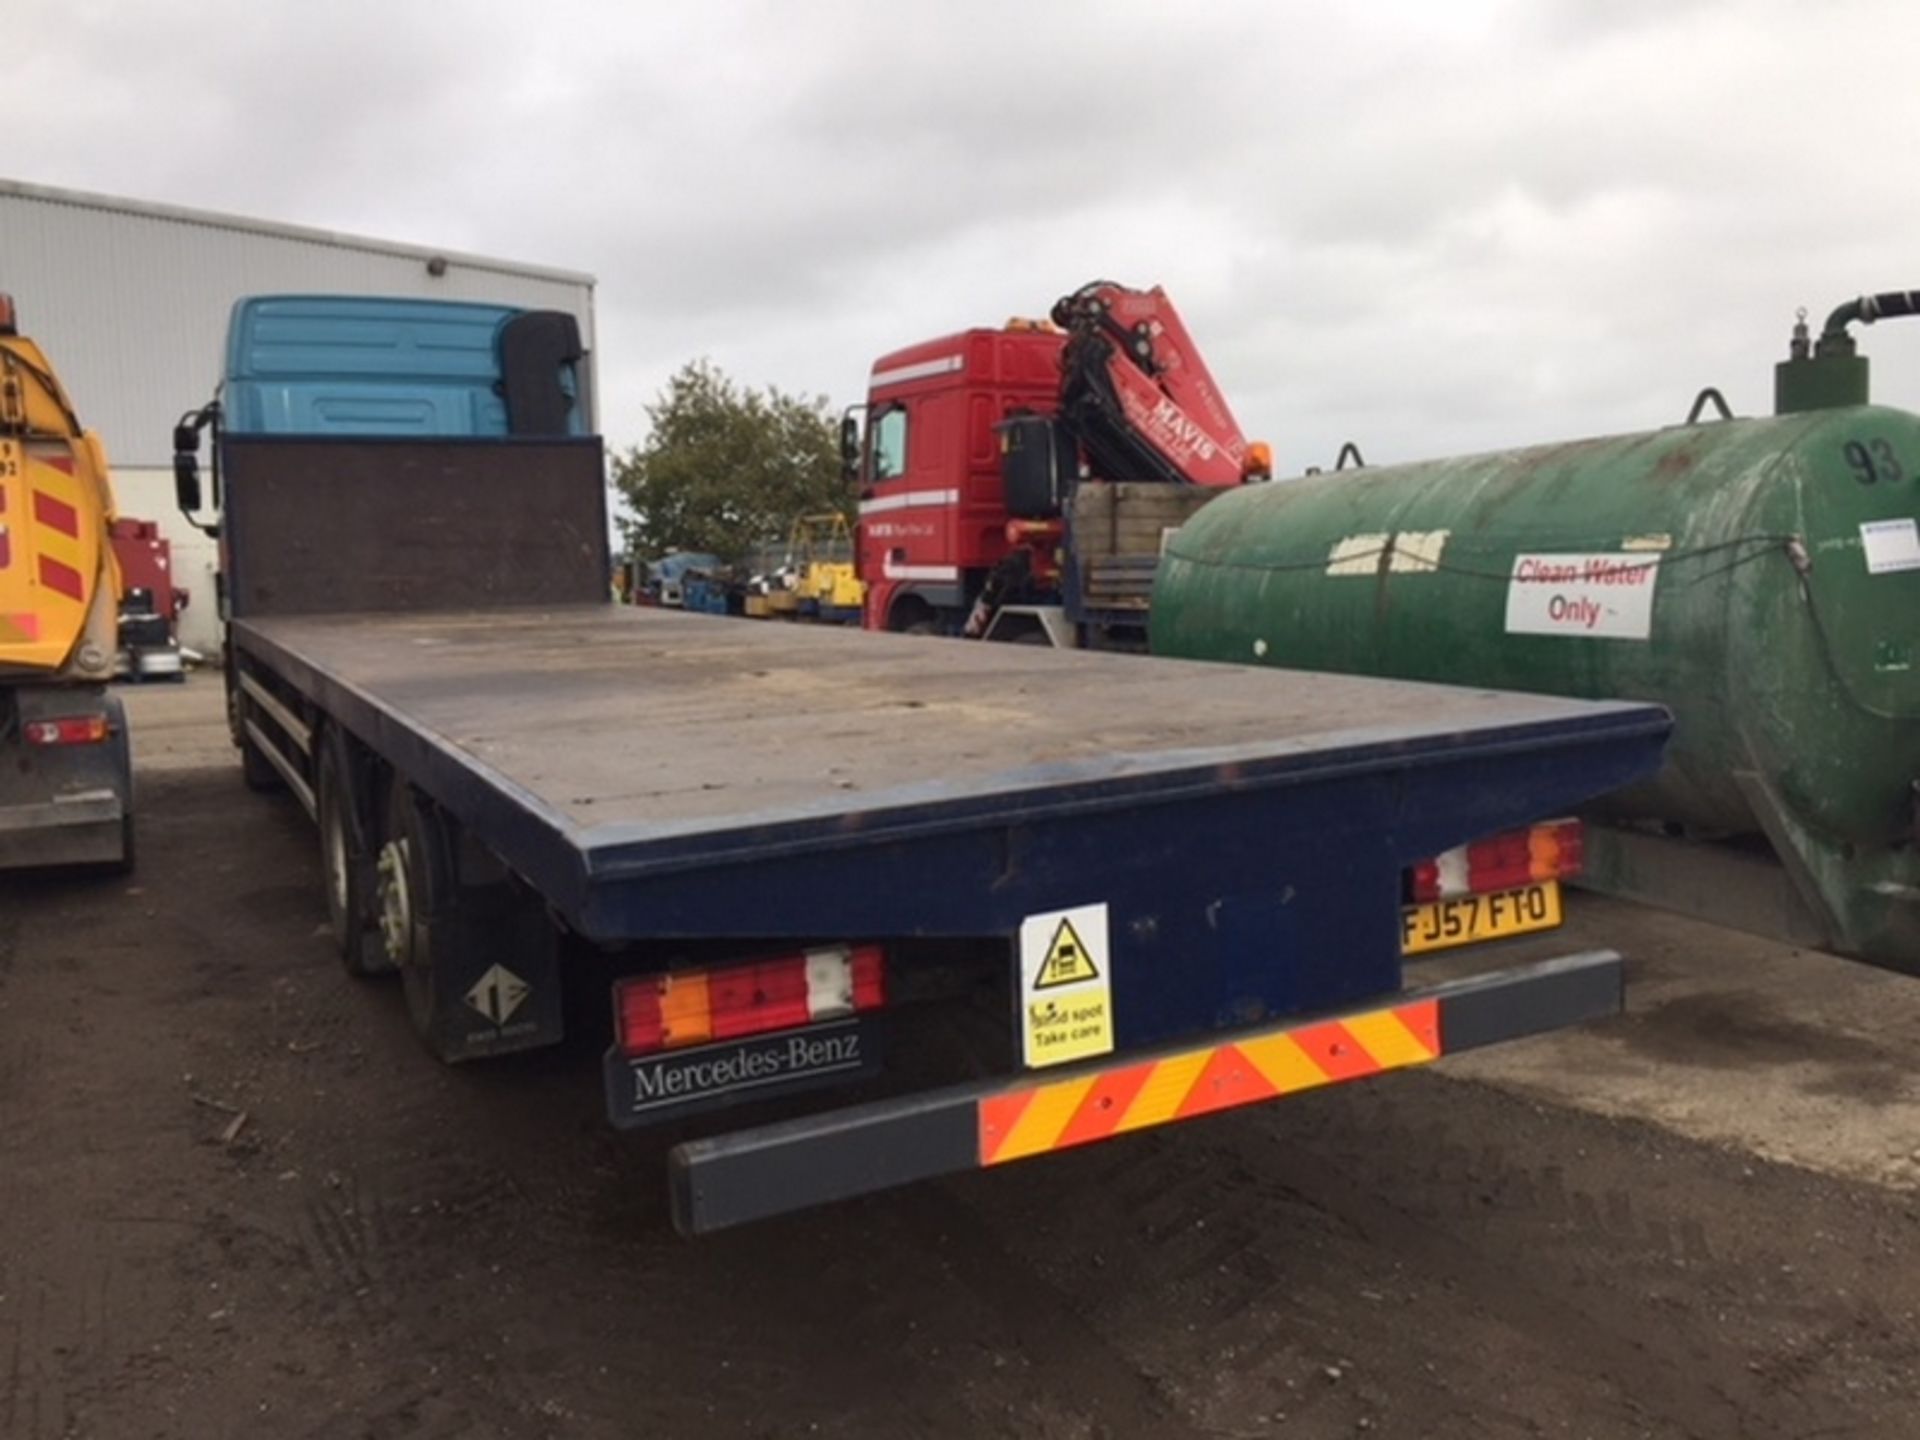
[[472, 953], [418, 888], [124, 757], [347, 864]]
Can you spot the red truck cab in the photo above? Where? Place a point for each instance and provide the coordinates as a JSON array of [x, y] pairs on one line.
[[933, 516]]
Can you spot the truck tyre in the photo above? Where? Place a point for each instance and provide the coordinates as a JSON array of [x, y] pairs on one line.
[[478, 962], [416, 886], [347, 866], [123, 756]]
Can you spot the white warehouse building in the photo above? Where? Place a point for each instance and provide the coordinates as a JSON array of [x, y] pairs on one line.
[[130, 302]]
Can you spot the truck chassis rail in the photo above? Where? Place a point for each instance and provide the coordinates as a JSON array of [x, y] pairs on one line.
[[769, 1170]]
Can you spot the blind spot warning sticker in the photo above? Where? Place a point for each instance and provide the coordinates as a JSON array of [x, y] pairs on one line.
[[1066, 1001], [1066, 961]]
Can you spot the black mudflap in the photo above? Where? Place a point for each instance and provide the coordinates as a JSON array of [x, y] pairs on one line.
[[496, 983]]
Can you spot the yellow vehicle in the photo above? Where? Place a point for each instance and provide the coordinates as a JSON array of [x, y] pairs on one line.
[[827, 582], [816, 578], [66, 775]]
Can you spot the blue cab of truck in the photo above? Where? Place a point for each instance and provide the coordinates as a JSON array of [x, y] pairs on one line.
[[366, 365]]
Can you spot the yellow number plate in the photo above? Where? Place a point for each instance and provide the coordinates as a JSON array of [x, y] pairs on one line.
[[1442, 924]]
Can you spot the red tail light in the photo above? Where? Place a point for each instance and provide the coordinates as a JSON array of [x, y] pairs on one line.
[[692, 1007], [1554, 850], [67, 730]]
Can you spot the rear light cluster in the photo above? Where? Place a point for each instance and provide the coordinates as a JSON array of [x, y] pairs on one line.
[[1555, 850], [693, 1007], [67, 730]]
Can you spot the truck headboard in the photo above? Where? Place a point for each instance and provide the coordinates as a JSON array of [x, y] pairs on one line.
[[329, 524]]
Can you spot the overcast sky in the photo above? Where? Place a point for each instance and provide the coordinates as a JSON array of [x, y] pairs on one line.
[[1428, 227]]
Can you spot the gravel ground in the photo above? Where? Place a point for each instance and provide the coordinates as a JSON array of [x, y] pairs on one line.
[[238, 1200]]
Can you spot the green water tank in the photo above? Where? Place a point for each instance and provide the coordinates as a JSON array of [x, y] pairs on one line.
[[1760, 577]]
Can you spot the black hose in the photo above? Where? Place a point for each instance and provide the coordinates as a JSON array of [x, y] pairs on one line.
[[1869, 308]]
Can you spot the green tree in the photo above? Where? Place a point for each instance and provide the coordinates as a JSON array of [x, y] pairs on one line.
[[727, 468]]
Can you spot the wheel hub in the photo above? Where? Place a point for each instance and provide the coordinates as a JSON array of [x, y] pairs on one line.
[[396, 901]]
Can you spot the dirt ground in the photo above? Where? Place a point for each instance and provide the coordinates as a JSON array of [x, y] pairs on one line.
[[237, 1200]]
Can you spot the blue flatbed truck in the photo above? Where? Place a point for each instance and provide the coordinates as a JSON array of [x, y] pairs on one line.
[[1143, 890]]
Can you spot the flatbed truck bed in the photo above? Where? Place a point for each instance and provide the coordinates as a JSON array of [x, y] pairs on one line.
[[598, 747], [1165, 887]]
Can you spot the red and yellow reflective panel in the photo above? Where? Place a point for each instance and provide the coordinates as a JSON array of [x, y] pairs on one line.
[[1097, 1105], [52, 539]]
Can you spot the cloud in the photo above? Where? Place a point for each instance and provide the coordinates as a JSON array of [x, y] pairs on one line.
[[1429, 228]]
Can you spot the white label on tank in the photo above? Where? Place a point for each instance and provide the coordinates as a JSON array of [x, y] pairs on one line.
[[1602, 596], [1890, 545], [1408, 552], [1356, 555], [1417, 552]]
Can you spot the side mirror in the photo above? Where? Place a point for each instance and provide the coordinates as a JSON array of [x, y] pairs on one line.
[[849, 445], [186, 481], [186, 468]]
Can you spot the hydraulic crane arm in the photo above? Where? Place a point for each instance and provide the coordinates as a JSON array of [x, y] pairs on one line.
[[1136, 392]]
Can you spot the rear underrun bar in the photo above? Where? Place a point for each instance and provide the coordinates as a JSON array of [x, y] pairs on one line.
[[754, 1174]]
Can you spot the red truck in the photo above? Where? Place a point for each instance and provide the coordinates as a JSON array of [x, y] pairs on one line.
[[1017, 485]]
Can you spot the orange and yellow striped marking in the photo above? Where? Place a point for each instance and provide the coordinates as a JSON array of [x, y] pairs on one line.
[[1100, 1104]]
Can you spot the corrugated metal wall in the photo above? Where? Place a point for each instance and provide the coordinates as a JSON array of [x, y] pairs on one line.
[[130, 302]]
